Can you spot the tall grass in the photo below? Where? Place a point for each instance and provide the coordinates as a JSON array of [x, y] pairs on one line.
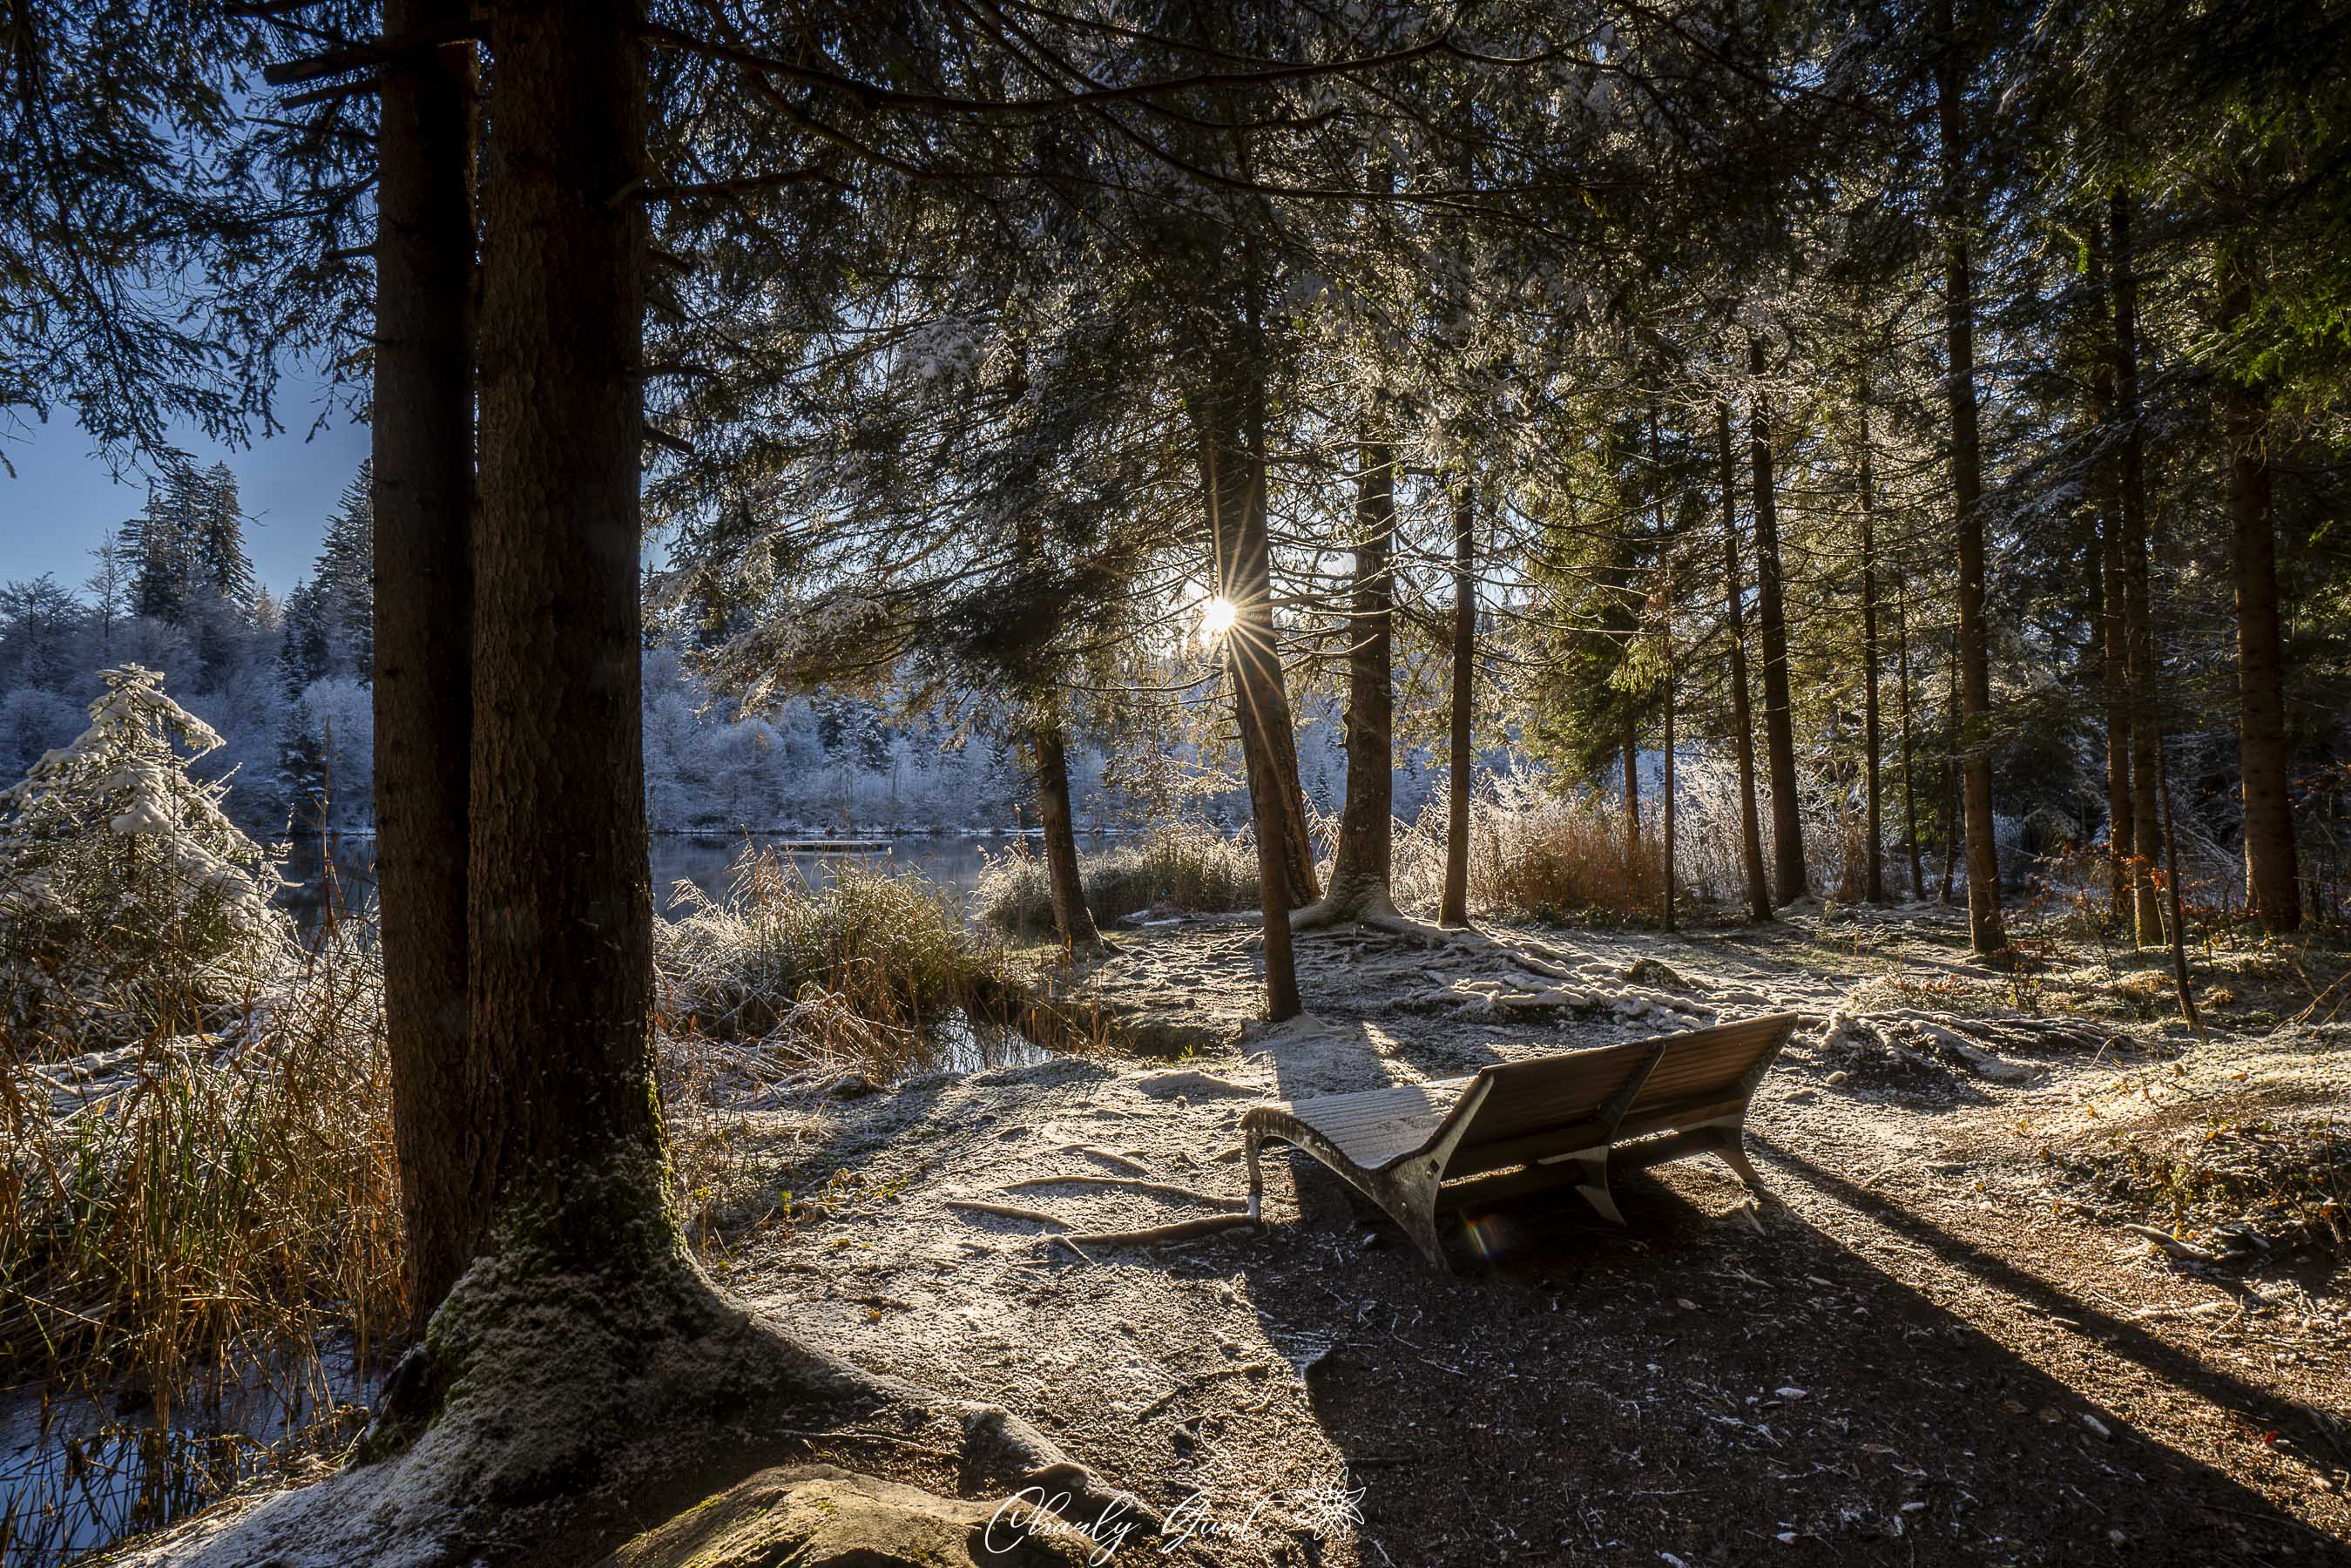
[[200, 1234], [1182, 865]]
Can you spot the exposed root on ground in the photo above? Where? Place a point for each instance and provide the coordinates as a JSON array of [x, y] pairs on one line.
[[548, 1417]]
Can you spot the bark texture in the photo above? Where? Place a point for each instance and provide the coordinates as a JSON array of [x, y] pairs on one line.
[[1235, 472], [1875, 870], [1360, 863], [1073, 923], [1452, 903], [1770, 613], [2271, 883], [422, 431], [1909, 753], [562, 986], [1986, 936], [2146, 833], [1742, 717]]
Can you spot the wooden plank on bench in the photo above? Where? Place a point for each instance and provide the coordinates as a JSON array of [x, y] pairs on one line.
[[1543, 1121]]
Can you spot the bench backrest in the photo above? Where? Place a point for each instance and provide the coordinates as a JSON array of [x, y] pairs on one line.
[[1645, 1080]]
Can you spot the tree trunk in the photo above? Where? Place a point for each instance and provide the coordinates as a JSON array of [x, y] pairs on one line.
[[423, 437], [1779, 724], [2115, 665], [1985, 934], [1234, 472], [1628, 745], [1875, 865], [2108, 579], [2180, 980], [1954, 830], [1667, 807], [1665, 598], [1361, 862], [1909, 791], [1073, 923], [2271, 886], [1742, 717], [561, 989], [2146, 834], [1453, 904]]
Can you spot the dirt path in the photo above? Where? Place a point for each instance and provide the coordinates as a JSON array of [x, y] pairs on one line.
[[1932, 1344]]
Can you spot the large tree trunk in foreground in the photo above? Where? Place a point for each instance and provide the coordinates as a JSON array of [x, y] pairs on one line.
[[581, 1378], [1073, 923], [1985, 934], [1361, 863], [562, 910], [1779, 723], [423, 436], [2271, 884], [1742, 717], [1875, 890], [2147, 830], [1452, 903], [1233, 465]]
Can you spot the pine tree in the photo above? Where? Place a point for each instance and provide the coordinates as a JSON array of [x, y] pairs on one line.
[[345, 580], [217, 563], [125, 892]]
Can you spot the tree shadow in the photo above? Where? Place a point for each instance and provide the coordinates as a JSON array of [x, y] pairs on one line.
[[1689, 1388]]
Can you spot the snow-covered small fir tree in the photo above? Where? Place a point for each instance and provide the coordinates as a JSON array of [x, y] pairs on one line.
[[128, 899]]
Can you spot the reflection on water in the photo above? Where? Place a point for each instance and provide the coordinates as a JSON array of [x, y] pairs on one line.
[[76, 1475], [952, 864], [963, 1045]]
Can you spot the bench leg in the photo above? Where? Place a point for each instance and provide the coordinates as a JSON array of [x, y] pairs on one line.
[[1594, 1185], [1731, 1148], [1419, 1222]]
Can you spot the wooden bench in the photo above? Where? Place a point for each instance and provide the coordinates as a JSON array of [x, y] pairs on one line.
[[1519, 1126]]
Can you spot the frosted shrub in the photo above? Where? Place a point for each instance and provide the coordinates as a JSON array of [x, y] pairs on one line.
[[129, 903], [893, 949]]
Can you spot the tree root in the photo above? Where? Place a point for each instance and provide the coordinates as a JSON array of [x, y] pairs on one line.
[[1175, 1231], [1134, 1168], [1132, 1184], [1006, 1211], [566, 1410]]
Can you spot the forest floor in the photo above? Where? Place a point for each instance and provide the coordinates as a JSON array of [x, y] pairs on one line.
[[1936, 1340]]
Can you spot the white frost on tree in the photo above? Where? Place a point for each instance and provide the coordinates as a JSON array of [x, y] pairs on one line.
[[127, 896]]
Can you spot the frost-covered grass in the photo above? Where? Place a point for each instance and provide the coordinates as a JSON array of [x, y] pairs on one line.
[[181, 1208], [1532, 853], [1185, 865], [774, 953]]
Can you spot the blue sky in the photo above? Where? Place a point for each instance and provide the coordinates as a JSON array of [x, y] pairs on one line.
[[64, 501]]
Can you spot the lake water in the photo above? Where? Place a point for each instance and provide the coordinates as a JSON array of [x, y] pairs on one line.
[[954, 863]]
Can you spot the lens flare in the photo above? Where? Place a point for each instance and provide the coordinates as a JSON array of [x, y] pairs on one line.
[[1216, 617]]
